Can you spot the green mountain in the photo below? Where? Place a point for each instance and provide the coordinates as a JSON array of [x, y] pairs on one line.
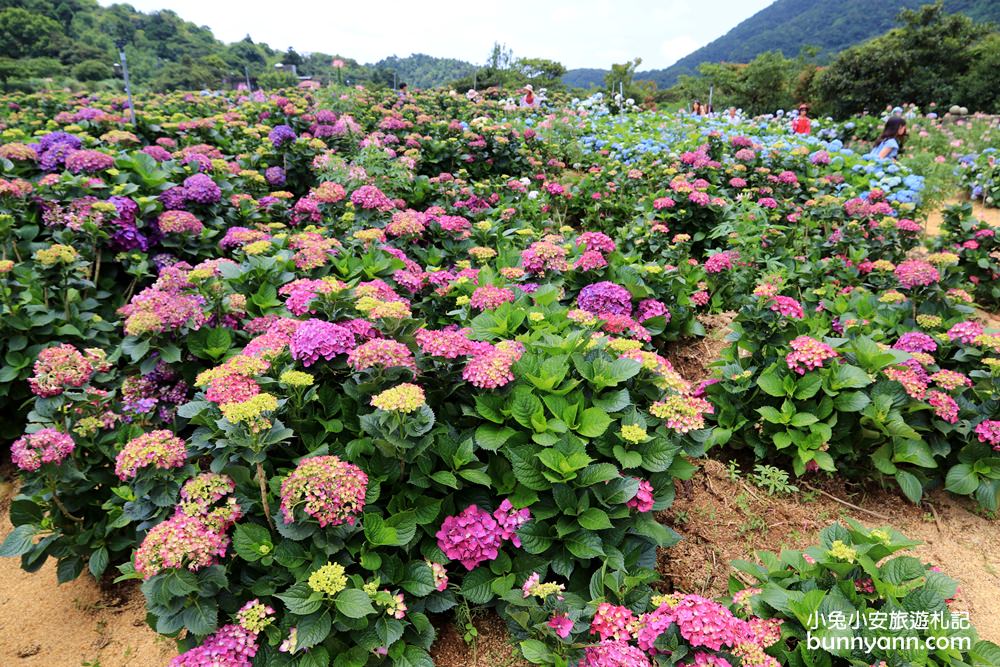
[[75, 40], [790, 26]]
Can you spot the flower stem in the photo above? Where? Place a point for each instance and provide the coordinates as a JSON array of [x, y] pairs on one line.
[[262, 481], [62, 508]]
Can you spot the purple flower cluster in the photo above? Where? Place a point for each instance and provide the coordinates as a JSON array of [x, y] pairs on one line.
[[317, 339], [88, 161], [275, 176], [915, 341], [281, 135], [53, 148], [605, 297], [201, 189]]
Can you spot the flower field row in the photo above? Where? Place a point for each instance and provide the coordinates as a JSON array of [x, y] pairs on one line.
[[328, 366]]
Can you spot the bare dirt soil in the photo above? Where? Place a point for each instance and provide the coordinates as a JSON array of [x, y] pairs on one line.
[[722, 519], [990, 215]]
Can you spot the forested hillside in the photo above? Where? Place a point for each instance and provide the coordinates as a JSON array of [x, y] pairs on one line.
[[789, 26]]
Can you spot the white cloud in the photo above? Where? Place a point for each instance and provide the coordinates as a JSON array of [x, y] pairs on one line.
[[581, 33]]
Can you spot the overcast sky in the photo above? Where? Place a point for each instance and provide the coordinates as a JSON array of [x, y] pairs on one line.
[[577, 33]]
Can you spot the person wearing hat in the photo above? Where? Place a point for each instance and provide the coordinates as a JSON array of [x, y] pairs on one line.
[[801, 124], [529, 99]]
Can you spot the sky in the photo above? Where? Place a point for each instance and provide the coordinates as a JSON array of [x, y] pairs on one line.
[[577, 33]]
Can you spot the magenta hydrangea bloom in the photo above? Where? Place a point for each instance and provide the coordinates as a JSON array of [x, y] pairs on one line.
[[787, 306], [605, 297], [720, 261], [509, 520], [201, 189], [612, 622], [472, 537], [88, 161], [915, 341], [318, 339], [446, 343], [965, 332], [230, 646], [916, 273], [328, 489], [650, 308], [596, 241], [988, 433], [370, 197], [48, 445], [590, 261], [614, 654], [643, 500], [182, 540], [491, 367]]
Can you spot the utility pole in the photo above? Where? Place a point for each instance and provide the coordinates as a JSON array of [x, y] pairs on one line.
[[246, 73], [128, 88]]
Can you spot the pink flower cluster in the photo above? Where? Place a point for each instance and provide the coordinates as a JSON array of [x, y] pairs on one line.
[[944, 406], [330, 490], [965, 332], [808, 354], [60, 367], [614, 654], [543, 256], [381, 352], [475, 536], [643, 500], [230, 646], [161, 449], [491, 368], [988, 433], [233, 388], [489, 297], [596, 241], [445, 343], [787, 306], [370, 197], [720, 261], [612, 622], [47, 445], [317, 339], [915, 341], [916, 273], [179, 222], [682, 413], [182, 540]]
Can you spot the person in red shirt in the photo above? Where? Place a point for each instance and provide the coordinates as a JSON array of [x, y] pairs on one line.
[[801, 124]]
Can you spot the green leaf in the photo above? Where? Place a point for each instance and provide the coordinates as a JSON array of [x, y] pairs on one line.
[[354, 603], [770, 383], [596, 473], [594, 519], [808, 386], [593, 422], [313, 629], [18, 542], [419, 579], [909, 485], [536, 652], [476, 586], [961, 479], [850, 377], [772, 415], [201, 617], [584, 545], [252, 541], [99, 562], [901, 569], [301, 600], [851, 401], [492, 437]]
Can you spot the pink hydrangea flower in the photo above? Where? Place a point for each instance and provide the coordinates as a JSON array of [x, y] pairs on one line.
[[808, 354], [47, 445], [561, 624], [317, 339], [327, 489], [472, 537], [988, 433], [161, 449], [787, 306], [489, 297], [643, 500], [612, 622]]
